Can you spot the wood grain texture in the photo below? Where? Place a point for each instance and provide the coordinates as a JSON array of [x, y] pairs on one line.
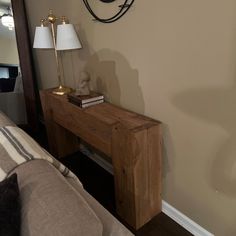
[[61, 141], [26, 63], [93, 131], [131, 140], [137, 161]]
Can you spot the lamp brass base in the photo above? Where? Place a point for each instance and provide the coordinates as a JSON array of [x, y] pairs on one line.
[[62, 90]]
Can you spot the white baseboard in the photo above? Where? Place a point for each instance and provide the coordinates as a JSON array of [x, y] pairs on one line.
[[169, 210], [184, 221]]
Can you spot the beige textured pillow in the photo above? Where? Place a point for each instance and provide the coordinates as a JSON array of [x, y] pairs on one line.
[[50, 206], [5, 121]]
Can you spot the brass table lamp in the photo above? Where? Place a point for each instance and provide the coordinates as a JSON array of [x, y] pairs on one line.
[[64, 39]]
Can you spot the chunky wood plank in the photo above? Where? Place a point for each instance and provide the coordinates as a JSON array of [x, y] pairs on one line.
[[137, 173], [94, 131], [132, 141], [61, 141]]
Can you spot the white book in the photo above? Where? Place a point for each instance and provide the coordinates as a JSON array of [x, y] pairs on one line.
[[88, 104], [81, 99]]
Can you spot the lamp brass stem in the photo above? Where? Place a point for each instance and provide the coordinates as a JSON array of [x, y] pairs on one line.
[[56, 54], [60, 90]]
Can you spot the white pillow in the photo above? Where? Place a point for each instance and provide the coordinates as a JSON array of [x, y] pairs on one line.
[[18, 85]]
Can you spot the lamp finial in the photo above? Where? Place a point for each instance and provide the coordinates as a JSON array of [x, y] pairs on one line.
[[64, 20], [51, 18]]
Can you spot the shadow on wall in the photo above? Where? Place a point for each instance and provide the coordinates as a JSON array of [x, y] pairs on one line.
[[216, 106], [112, 75], [168, 157], [73, 61], [104, 78]]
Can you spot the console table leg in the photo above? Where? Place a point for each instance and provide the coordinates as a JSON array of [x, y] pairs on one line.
[[61, 141], [136, 159]]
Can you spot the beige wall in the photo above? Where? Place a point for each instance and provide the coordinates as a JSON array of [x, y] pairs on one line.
[[173, 61], [8, 51]]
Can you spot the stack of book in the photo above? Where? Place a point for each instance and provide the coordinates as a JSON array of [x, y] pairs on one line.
[[86, 100]]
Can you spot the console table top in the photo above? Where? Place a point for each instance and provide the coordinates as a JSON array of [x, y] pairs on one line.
[[109, 113]]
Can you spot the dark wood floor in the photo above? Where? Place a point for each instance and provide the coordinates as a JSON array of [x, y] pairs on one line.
[[100, 184]]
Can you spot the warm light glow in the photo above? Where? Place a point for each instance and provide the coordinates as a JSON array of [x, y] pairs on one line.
[[67, 38], [8, 21], [43, 38]]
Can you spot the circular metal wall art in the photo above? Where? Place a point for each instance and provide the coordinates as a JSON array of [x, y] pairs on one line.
[[122, 10], [107, 0]]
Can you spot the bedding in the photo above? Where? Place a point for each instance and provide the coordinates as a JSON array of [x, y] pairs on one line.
[[51, 204], [51, 207], [10, 214], [5, 121], [16, 148]]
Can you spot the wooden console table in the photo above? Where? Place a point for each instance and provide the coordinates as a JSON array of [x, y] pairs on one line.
[[132, 141]]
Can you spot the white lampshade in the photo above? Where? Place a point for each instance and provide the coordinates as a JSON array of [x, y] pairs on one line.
[[7, 20], [43, 38], [67, 38]]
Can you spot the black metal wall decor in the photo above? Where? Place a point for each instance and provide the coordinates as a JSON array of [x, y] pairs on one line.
[[123, 9], [107, 0]]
